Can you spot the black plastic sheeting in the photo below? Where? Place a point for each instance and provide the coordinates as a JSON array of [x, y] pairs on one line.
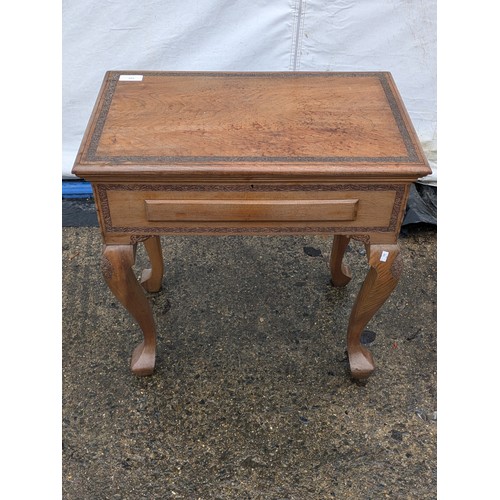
[[421, 209], [422, 205]]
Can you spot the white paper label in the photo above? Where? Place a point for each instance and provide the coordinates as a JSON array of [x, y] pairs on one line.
[[130, 78], [384, 255]]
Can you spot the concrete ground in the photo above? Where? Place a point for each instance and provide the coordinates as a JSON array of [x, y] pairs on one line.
[[251, 398]]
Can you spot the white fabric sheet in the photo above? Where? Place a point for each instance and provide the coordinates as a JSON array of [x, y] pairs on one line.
[[237, 35]]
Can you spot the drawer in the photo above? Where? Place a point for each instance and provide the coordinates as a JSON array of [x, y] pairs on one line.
[[235, 210], [248, 208]]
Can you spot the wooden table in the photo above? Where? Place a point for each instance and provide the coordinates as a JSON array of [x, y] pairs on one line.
[[178, 153]]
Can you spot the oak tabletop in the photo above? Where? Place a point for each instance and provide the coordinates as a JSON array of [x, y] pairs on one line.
[[177, 123]]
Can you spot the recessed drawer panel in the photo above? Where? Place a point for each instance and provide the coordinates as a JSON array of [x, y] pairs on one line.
[[233, 210]]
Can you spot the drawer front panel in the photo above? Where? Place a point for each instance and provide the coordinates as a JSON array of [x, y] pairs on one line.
[[248, 208], [234, 210]]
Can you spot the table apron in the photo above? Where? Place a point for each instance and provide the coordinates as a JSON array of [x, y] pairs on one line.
[[148, 209]]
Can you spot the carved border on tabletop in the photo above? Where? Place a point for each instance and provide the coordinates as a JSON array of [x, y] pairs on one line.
[[101, 120], [382, 77], [145, 232]]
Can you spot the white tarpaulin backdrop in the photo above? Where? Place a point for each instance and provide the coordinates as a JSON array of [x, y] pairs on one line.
[[237, 35]]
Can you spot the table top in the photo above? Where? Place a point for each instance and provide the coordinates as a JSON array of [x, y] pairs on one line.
[[178, 124]]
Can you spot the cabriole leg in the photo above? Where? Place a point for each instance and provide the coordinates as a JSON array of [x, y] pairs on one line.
[[151, 278], [117, 262], [341, 275], [385, 269]]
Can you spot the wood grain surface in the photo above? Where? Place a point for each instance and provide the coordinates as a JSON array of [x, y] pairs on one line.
[[251, 117], [184, 123]]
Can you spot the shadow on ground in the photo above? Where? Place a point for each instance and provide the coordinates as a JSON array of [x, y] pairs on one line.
[[251, 397]]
